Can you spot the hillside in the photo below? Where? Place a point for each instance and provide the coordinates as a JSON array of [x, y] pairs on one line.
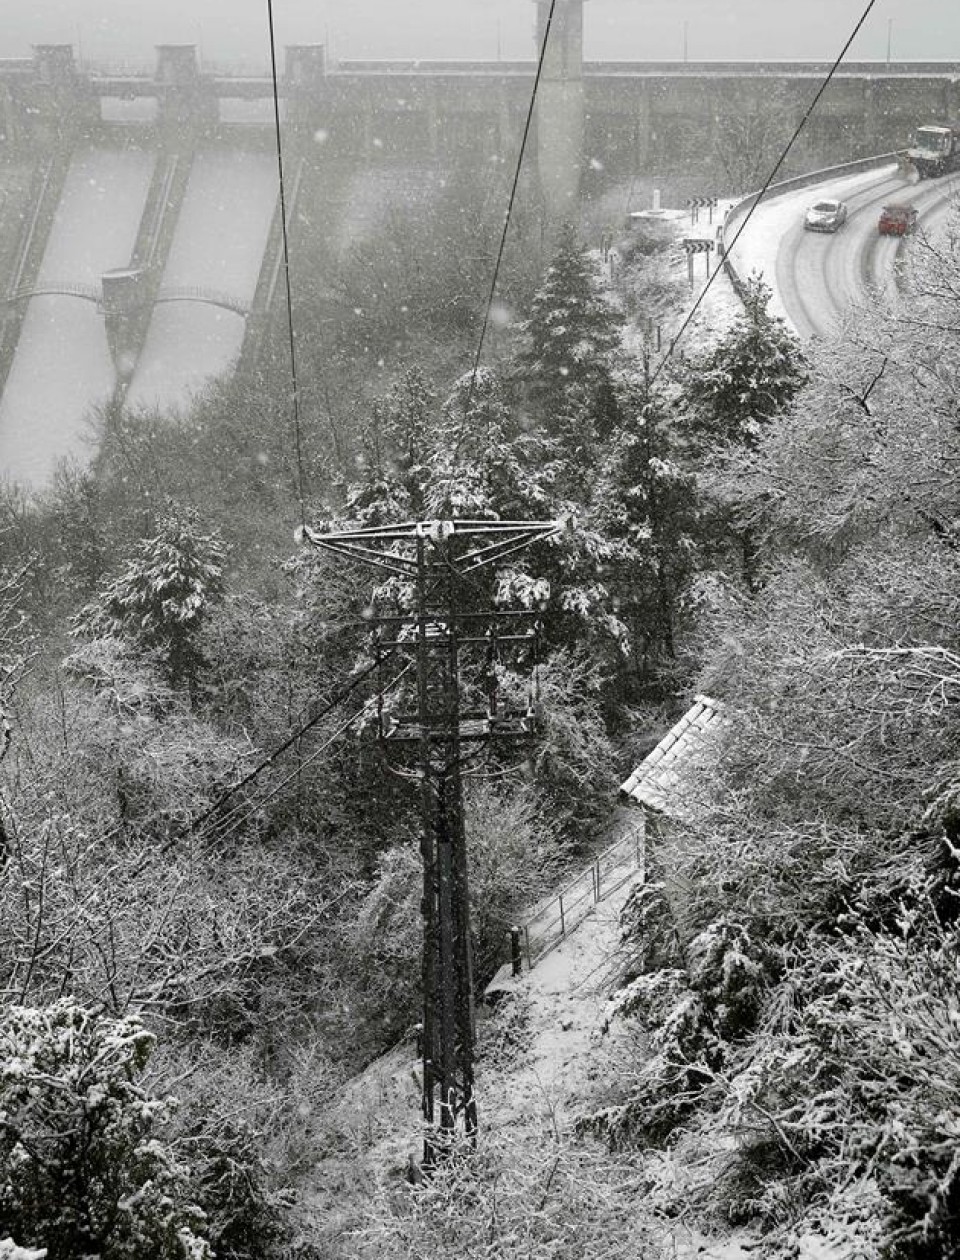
[[547, 1060]]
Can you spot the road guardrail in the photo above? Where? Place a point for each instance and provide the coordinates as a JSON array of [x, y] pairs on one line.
[[789, 185]]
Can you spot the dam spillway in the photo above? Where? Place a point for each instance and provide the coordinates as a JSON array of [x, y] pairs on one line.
[[62, 368], [217, 249]]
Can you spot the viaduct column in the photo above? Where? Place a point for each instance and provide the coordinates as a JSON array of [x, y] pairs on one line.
[[560, 109]]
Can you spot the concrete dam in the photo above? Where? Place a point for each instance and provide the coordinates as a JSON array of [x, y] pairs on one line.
[[146, 253]]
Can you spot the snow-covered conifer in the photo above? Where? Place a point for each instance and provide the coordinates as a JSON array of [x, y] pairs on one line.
[[572, 336], [752, 375]]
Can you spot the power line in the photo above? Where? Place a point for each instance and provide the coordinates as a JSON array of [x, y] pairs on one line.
[[232, 822], [197, 823], [513, 195], [338, 697], [286, 269], [241, 814], [770, 178]]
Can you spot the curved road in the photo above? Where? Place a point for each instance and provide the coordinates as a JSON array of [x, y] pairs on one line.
[[817, 277]]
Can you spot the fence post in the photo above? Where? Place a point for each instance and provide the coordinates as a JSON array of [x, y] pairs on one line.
[[516, 957], [526, 933], [596, 877], [563, 926]]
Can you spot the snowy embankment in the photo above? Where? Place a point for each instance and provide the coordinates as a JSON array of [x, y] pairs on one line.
[[546, 1061], [704, 284]]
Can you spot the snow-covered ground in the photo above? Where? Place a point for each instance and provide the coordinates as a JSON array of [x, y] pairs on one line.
[[218, 246], [62, 366], [710, 290], [569, 1066]]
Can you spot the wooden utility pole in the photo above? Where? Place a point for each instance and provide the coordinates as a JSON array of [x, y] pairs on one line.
[[437, 557]]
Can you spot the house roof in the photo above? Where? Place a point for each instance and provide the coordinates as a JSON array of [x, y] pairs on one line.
[[664, 780]]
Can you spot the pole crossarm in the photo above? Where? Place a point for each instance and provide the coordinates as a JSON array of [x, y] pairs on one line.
[[394, 547]]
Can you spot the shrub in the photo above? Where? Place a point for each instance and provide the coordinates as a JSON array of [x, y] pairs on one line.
[[515, 1197], [82, 1170]]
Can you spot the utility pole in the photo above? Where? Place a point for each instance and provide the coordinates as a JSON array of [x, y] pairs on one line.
[[427, 744]]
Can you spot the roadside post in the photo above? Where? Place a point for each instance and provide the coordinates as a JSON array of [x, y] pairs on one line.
[[697, 245], [516, 955]]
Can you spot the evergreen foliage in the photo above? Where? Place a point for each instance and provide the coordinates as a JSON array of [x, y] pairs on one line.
[[646, 511], [752, 375], [83, 1170], [160, 599], [800, 989], [483, 464], [571, 341], [822, 861]]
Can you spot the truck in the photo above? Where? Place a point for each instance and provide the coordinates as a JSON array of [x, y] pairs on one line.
[[935, 151]]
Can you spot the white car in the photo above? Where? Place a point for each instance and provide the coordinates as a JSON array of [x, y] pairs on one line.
[[825, 216]]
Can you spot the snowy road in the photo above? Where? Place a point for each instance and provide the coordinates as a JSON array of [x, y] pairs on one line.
[[817, 277]]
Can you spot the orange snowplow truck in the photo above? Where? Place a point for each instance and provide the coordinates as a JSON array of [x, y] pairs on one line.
[[935, 151]]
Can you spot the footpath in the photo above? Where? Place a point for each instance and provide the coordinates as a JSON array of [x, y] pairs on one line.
[[545, 1060]]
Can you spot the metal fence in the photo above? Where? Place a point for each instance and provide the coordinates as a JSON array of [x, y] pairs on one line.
[[567, 909]]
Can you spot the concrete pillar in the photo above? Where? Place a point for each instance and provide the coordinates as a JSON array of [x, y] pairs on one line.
[[9, 120], [54, 66], [872, 121], [306, 66], [643, 125], [369, 148], [560, 109], [507, 131], [61, 100], [951, 102], [185, 102], [305, 80], [126, 306], [177, 66]]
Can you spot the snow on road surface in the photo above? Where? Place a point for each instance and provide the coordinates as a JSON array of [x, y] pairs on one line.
[[776, 228], [817, 278], [62, 366], [218, 247]]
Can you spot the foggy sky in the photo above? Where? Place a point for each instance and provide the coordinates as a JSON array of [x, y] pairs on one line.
[[234, 32]]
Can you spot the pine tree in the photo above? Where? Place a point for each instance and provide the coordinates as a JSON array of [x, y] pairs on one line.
[[394, 454], [571, 340], [160, 600], [482, 464], [647, 514], [752, 375]]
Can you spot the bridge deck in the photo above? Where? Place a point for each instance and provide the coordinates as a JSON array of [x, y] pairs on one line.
[[250, 86]]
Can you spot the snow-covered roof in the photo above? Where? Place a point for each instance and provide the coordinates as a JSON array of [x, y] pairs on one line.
[[663, 780]]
